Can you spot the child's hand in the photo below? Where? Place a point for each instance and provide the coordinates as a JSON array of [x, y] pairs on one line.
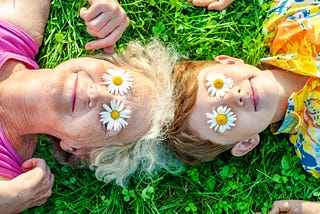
[[295, 207], [212, 4], [106, 20], [32, 188]]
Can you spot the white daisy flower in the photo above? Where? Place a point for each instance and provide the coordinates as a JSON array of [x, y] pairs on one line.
[[115, 115], [222, 119], [218, 85], [118, 81]]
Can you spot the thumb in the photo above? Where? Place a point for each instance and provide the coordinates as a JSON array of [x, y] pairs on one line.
[[32, 163], [109, 50], [219, 5]]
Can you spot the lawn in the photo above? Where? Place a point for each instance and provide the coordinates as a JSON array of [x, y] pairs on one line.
[[225, 185]]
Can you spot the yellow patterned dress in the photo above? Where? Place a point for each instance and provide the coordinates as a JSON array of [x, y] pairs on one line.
[[293, 29]]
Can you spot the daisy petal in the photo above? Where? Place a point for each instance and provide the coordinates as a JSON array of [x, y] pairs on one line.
[[221, 119], [218, 85], [115, 115], [118, 81]]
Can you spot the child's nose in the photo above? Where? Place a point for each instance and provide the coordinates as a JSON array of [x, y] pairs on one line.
[[237, 93], [236, 96]]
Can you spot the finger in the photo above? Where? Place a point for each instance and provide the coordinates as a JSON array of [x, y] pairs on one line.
[[275, 210], [43, 194], [219, 5], [96, 24], [202, 3], [46, 181], [106, 30], [51, 179], [48, 170], [109, 50], [108, 41], [95, 10], [83, 12], [37, 202], [106, 23], [45, 191], [280, 206], [33, 163]]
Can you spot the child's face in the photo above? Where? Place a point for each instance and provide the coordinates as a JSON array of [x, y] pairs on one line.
[[252, 97]]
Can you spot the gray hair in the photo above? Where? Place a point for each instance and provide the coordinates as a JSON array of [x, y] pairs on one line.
[[147, 154]]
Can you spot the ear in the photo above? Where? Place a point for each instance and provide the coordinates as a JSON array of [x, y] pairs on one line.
[[223, 59], [245, 146], [82, 153], [65, 147]]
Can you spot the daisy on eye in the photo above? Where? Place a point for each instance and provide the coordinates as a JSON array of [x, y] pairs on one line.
[[222, 119], [218, 85], [118, 81], [115, 115]]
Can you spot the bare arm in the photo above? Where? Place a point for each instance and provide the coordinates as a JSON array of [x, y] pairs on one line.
[[29, 189], [29, 15]]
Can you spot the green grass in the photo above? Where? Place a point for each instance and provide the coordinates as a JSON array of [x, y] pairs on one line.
[[226, 185]]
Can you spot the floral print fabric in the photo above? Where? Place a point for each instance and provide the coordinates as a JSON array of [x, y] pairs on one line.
[[294, 30], [293, 27]]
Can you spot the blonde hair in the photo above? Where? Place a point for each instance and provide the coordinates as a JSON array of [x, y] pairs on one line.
[[187, 146], [118, 163]]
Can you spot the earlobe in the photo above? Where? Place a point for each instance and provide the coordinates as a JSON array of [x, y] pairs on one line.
[[65, 147], [82, 153], [224, 59], [245, 146]]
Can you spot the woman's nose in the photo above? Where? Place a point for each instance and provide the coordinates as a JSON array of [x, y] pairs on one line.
[[97, 94]]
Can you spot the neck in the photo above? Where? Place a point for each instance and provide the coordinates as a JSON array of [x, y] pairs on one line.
[[288, 83], [18, 110]]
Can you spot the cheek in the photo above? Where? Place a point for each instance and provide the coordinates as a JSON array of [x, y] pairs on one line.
[[82, 128], [88, 137], [250, 124], [198, 124]]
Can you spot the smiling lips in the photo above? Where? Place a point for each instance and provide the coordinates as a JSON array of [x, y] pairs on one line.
[[74, 96], [255, 96]]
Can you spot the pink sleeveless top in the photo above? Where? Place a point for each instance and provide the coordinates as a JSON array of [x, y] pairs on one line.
[[18, 45], [10, 160]]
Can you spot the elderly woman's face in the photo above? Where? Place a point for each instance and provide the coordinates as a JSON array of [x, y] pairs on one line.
[[91, 109]]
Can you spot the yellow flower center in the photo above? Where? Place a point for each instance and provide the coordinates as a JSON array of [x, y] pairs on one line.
[[218, 83], [221, 119], [117, 80], [115, 114]]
